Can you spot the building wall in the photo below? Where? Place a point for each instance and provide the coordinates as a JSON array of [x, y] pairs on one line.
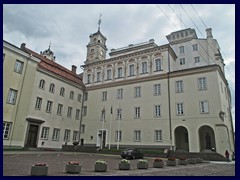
[[16, 113]]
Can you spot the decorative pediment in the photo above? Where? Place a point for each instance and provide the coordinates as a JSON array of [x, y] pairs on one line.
[[131, 60], [89, 70], [158, 54], [119, 63], [144, 57], [109, 66], [99, 68]]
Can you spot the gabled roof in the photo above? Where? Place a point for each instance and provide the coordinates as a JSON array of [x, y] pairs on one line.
[[54, 67]]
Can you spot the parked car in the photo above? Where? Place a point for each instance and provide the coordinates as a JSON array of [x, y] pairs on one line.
[[131, 153]]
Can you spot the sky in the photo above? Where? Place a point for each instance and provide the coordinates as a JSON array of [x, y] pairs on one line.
[[67, 28]]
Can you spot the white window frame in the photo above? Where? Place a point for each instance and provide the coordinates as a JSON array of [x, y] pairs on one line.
[[144, 67], [180, 109], [12, 96], [195, 47], [119, 93], [119, 72], [119, 113], [204, 107], [98, 76], [157, 89], [137, 91], [137, 136], [51, 88], [197, 59], [56, 134], [109, 74], [89, 79], [67, 134], [77, 117], [103, 114], [6, 129], [157, 110], [158, 64], [118, 136], [179, 86], [104, 96], [181, 49], [202, 83], [44, 133], [137, 112], [75, 136], [69, 112], [158, 135], [62, 91], [49, 107], [182, 61], [59, 109], [18, 68], [131, 70], [38, 103]]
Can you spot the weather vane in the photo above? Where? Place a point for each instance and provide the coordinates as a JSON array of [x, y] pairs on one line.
[[99, 21]]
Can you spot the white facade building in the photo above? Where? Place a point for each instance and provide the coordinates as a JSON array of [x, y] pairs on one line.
[[170, 96]]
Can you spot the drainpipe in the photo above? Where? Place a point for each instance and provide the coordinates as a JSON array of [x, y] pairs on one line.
[[169, 103]]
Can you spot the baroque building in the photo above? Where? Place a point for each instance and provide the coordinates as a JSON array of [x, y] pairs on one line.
[[144, 95]]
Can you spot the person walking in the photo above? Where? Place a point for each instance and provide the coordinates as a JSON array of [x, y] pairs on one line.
[[227, 155]]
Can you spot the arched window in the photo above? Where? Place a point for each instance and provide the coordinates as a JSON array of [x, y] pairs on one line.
[[62, 91], [42, 84], [51, 88], [71, 95]]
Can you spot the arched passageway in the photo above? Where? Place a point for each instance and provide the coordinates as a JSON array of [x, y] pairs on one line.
[[181, 139], [207, 139]]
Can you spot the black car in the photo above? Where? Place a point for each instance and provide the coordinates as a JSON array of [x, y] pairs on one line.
[[131, 153]]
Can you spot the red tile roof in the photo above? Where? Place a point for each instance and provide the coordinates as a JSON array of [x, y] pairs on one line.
[[54, 67]]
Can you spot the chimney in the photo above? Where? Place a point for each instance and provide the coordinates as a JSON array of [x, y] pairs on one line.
[[74, 68], [23, 46], [209, 32]]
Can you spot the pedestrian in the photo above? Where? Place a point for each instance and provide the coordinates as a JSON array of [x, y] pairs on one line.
[[227, 155]]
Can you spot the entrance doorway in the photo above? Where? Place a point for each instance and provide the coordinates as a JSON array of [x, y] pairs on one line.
[[101, 139], [181, 139], [32, 136]]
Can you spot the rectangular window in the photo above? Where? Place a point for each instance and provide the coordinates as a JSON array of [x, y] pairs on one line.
[[195, 47], [202, 83], [137, 112], [158, 64], [98, 76], [59, 109], [137, 92], [158, 135], [137, 135], [182, 61], [119, 71], [181, 49], [75, 136], [83, 128], [196, 59], [6, 129], [221, 87], [12, 96], [88, 78], [85, 96], [104, 96], [204, 107], [119, 114], [179, 109], [38, 103], [118, 136], [144, 67], [119, 93], [44, 133], [18, 67], [157, 110], [67, 135], [56, 134], [49, 106], [103, 113], [179, 86], [69, 113], [79, 99], [131, 70], [77, 114], [157, 89], [109, 74], [84, 110]]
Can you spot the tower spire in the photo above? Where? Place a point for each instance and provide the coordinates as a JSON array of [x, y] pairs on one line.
[[99, 22]]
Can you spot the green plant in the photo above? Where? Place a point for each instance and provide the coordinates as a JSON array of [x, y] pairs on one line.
[[125, 161], [172, 159], [142, 161], [73, 163], [100, 161]]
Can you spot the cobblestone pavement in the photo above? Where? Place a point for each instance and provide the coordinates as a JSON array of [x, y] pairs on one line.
[[19, 164]]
